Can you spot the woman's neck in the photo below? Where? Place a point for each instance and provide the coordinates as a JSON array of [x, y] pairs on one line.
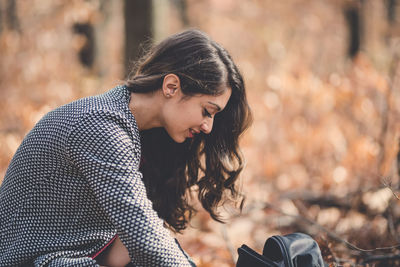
[[146, 109]]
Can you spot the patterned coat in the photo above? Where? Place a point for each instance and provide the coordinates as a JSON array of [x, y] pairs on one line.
[[74, 184]]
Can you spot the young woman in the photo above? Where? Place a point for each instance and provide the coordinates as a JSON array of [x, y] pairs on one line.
[[97, 181]]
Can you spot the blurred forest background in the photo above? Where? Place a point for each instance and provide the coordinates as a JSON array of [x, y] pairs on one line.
[[323, 81]]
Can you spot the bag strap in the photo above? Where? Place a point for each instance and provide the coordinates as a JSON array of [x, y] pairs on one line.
[[249, 257], [296, 249]]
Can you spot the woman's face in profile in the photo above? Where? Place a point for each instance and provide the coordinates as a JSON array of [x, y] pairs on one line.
[[186, 117]]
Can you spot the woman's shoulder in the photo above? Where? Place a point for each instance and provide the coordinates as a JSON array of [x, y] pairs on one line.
[[111, 107], [116, 100]]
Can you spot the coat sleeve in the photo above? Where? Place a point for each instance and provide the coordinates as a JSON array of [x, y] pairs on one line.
[[107, 153]]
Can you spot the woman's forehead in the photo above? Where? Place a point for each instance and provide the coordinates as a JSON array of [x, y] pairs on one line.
[[217, 100]]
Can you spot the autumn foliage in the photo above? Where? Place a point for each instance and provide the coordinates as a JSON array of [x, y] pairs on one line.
[[321, 153]]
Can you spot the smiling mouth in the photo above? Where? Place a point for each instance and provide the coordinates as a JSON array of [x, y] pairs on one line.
[[192, 133]]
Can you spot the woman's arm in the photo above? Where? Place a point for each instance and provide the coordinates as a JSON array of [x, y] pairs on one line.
[[107, 153]]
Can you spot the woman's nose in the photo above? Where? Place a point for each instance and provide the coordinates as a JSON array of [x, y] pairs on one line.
[[207, 125]]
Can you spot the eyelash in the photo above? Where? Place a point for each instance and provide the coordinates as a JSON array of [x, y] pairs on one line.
[[206, 113]]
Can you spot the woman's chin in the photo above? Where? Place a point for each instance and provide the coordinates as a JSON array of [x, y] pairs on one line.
[[178, 139], [181, 140]]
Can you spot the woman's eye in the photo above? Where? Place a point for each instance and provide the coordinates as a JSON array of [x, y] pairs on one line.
[[206, 113]]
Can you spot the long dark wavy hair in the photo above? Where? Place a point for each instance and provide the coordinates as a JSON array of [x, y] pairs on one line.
[[209, 163]]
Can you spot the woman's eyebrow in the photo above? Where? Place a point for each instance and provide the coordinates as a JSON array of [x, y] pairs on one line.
[[218, 107]]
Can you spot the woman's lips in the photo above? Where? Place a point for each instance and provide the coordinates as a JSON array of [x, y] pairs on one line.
[[191, 134]]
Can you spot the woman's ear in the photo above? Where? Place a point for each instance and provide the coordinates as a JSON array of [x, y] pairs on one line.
[[171, 85]]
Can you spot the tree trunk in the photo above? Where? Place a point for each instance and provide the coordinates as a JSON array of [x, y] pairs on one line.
[[1, 17], [11, 15], [352, 14], [138, 29]]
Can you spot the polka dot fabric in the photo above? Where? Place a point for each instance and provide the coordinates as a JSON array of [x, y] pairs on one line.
[[74, 183]]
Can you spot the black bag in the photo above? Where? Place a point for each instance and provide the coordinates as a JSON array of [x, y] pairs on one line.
[[292, 250]]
